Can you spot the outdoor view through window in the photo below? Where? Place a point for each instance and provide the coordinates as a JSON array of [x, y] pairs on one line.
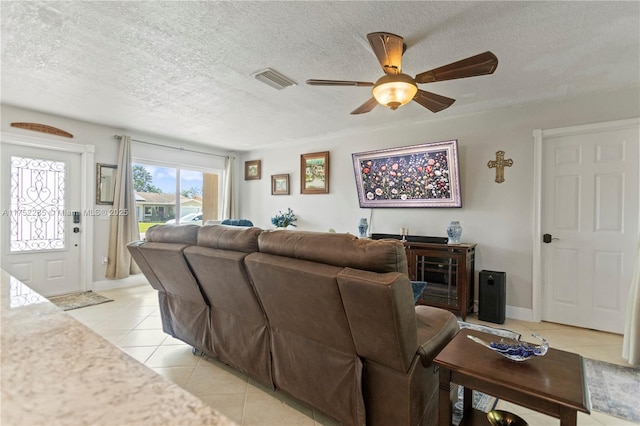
[[174, 195]]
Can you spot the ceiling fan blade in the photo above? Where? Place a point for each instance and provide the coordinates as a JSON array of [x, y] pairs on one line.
[[365, 107], [432, 101], [338, 83], [388, 49], [484, 63]]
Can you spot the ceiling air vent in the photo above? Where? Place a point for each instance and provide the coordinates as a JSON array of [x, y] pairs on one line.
[[274, 79]]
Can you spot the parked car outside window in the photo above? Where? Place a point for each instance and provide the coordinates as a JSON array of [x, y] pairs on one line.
[[192, 218]]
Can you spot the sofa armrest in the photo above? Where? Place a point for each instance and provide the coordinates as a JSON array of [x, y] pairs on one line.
[[436, 328]]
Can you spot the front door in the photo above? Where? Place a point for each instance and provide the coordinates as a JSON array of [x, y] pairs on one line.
[[41, 218], [590, 215]]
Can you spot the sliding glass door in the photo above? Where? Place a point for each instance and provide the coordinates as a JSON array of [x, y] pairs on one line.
[[175, 194]]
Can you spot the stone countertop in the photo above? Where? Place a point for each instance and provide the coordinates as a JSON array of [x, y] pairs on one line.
[[57, 371]]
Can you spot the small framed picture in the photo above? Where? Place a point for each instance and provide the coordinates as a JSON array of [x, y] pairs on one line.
[[314, 173], [252, 170], [280, 184]]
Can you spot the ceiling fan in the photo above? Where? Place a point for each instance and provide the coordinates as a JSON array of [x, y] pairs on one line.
[[395, 89]]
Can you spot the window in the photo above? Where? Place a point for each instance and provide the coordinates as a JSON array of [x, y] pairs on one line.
[[176, 182], [37, 204], [174, 194]]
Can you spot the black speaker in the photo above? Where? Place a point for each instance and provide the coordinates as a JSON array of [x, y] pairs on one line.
[[493, 297]]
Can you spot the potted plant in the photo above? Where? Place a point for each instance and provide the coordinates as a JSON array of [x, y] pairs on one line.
[[282, 220]]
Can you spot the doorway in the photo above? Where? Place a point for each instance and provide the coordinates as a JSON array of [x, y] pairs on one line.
[[587, 223], [45, 232]]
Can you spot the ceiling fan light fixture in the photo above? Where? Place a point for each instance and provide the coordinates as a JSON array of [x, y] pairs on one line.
[[394, 91]]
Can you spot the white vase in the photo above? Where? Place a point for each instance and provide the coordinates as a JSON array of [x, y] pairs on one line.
[[363, 226], [454, 231]]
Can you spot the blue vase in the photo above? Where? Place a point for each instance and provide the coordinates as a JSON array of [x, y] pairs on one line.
[[363, 226], [454, 231]]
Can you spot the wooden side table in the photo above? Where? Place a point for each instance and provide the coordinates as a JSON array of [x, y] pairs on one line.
[[553, 384]]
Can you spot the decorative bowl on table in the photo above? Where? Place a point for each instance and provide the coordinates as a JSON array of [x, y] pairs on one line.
[[515, 350]]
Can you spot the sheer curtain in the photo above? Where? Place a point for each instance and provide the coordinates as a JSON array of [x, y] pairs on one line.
[[228, 202], [631, 341], [124, 227]]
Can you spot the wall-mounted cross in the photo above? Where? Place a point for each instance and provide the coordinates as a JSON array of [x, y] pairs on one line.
[[499, 164]]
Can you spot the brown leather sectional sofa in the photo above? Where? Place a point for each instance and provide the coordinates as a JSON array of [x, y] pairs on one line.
[[327, 318]]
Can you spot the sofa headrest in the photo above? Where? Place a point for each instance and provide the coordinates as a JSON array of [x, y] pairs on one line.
[[177, 234], [344, 250], [229, 238]]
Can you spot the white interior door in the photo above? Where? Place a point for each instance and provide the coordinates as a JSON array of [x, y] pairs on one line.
[[590, 209], [40, 191]]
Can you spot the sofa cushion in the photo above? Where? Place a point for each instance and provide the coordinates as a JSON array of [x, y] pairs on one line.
[[150, 275], [239, 328], [170, 267], [233, 238], [381, 316], [309, 291], [313, 354], [344, 250], [177, 234]]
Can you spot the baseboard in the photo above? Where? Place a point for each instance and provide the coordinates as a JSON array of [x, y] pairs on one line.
[[130, 281], [513, 312], [522, 314]]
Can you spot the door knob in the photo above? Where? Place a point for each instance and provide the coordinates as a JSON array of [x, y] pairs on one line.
[[547, 238]]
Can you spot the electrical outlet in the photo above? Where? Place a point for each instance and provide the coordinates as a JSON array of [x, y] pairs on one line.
[[104, 260]]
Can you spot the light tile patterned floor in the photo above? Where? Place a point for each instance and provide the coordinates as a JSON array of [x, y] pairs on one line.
[[132, 322]]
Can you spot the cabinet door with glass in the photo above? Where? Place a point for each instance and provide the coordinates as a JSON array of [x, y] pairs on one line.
[[448, 271]]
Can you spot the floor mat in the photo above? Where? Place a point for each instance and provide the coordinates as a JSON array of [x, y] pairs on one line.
[[67, 302]]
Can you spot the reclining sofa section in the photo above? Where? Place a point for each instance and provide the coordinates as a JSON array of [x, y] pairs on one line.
[[327, 318]]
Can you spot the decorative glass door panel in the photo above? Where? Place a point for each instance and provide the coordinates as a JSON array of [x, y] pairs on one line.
[[37, 204], [41, 236], [448, 270], [441, 275]]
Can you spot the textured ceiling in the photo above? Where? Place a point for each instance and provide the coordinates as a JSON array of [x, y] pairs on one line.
[[184, 69]]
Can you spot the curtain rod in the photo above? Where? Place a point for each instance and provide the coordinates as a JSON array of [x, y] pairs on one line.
[[173, 147]]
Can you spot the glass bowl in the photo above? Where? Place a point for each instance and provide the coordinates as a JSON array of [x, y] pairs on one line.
[[515, 350]]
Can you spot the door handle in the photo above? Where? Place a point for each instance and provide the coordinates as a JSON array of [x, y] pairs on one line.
[[547, 238]]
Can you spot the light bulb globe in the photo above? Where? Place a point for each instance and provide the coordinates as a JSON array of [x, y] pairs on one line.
[[394, 91]]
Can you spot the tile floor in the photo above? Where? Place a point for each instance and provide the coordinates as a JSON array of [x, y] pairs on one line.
[[132, 322]]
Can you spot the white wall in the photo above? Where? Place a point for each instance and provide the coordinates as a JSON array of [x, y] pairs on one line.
[[106, 151], [498, 217]]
